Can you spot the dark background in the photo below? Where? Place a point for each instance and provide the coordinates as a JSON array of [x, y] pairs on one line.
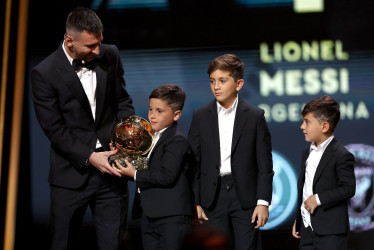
[[176, 44]]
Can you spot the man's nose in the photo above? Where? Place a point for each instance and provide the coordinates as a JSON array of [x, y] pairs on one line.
[[96, 50]]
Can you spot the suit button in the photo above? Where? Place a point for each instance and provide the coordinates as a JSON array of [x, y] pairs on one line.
[[215, 183]]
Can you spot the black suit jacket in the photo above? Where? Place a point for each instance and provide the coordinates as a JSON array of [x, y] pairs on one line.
[[251, 158], [334, 182], [164, 188], [64, 112]]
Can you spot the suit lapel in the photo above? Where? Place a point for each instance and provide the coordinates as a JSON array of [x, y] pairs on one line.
[[169, 131], [212, 125], [240, 119], [69, 76], [324, 160]]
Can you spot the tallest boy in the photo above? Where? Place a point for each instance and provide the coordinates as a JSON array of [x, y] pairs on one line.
[[231, 145], [77, 106]]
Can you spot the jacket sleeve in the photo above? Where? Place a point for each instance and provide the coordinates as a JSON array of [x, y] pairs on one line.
[[49, 115], [265, 162], [346, 181], [124, 105], [174, 151], [195, 145]]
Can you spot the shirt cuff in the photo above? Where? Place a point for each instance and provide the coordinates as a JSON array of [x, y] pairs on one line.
[[262, 202], [318, 201], [135, 175]]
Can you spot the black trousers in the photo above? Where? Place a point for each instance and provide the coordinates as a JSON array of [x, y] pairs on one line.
[[311, 241], [165, 233], [107, 197], [228, 215]]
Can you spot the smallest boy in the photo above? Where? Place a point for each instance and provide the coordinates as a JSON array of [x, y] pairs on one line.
[[164, 190], [326, 180]]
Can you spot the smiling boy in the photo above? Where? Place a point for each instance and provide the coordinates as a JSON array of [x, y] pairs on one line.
[[231, 147], [326, 180]]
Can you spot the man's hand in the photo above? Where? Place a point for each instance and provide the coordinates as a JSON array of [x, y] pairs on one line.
[[100, 161], [129, 170], [262, 214], [294, 233], [310, 204], [200, 214]]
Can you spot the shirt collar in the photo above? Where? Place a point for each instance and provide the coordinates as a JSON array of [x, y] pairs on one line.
[[323, 145], [159, 133], [67, 55], [233, 107]]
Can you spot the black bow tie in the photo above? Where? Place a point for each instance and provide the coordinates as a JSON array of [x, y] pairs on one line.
[[78, 64]]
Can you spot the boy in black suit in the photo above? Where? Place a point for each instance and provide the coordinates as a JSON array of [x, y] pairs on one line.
[[326, 180], [164, 190], [231, 147]]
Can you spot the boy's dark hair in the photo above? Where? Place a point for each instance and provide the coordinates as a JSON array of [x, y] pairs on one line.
[[83, 19], [172, 94], [228, 62], [324, 109]]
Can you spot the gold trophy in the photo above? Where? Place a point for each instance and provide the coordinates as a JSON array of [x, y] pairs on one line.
[[133, 137]]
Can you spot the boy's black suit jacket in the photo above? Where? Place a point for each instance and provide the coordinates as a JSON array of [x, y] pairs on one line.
[[251, 158], [64, 113], [164, 188], [334, 182]]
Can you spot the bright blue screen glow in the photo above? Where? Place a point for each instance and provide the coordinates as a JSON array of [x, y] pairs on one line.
[[264, 3], [126, 4]]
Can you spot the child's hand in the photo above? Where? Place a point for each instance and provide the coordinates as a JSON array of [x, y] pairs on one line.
[[262, 214], [311, 204], [112, 147], [294, 232], [129, 170]]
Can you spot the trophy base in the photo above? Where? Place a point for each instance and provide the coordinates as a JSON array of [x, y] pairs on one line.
[[139, 163]]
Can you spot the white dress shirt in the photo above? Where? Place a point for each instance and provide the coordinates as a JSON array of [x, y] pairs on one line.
[[226, 119], [89, 82], [312, 162]]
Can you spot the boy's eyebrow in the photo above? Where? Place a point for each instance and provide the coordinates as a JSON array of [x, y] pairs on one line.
[[221, 77]]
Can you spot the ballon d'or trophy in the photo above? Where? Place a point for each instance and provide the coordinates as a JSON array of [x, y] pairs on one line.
[[133, 137]]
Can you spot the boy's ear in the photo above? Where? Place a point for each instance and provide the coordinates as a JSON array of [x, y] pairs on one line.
[[325, 127], [239, 84], [177, 115]]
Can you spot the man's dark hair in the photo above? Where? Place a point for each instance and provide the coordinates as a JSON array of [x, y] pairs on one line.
[[172, 94], [228, 62], [324, 109], [83, 19]]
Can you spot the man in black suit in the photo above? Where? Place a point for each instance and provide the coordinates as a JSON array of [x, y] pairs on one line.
[[231, 145], [166, 198], [79, 93], [326, 180]]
